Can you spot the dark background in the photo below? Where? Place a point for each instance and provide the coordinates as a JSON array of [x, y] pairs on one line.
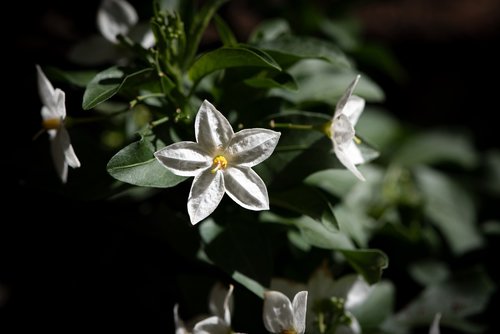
[[93, 266]]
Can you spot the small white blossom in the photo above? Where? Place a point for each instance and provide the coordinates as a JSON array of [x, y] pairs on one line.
[[342, 134], [282, 316], [115, 17], [53, 116], [220, 161]]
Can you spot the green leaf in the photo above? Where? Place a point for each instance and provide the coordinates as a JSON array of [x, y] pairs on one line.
[[367, 262], [377, 307], [226, 35], [450, 208], [308, 201], [249, 283], [269, 30], [109, 82], [288, 49], [437, 147], [240, 246], [77, 78], [428, 272], [313, 232], [319, 81], [281, 80], [227, 57], [136, 164]]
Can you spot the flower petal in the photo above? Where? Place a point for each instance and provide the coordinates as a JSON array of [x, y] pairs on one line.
[[353, 328], [69, 153], [179, 324], [221, 302], [358, 293], [435, 324], [278, 313], [353, 108], [342, 130], [246, 188], [345, 159], [46, 92], [212, 325], [299, 311], [205, 195], [213, 131], [347, 94], [115, 17], [250, 147], [57, 149], [184, 158]]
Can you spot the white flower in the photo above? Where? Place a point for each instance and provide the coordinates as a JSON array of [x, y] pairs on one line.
[[282, 316], [53, 115], [221, 305], [435, 324], [115, 17], [220, 162], [342, 134]]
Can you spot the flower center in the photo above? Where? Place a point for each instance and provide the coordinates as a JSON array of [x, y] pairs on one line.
[[289, 331], [51, 123], [220, 163]]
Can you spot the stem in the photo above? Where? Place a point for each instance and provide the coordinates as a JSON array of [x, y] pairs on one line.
[[140, 98], [158, 121], [274, 125]]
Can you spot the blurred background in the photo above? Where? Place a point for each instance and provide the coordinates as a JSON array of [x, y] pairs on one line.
[[75, 266]]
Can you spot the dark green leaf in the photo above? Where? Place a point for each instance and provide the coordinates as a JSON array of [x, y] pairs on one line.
[[282, 80], [77, 78], [367, 262], [226, 35], [227, 57], [136, 164], [109, 82]]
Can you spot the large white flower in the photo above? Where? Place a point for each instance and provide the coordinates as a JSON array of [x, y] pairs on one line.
[[220, 161], [53, 115], [282, 316], [342, 134]]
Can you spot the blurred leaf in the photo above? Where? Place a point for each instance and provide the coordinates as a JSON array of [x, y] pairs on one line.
[[241, 247], [428, 272], [227, 57], [337, 182], [308, 201], [109, 82], [377, 307], [492, 174], [136, 164], [367, 262], [451, 208], [226, 35], [249, 283], [319, 81], [463, 295], [281, 80], [269, 30], [356, 223], [313, 232], [378, 127], [437, 147], [288, 49], [77, 78]]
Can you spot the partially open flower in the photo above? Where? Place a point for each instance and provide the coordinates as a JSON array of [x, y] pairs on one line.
[[53, 116], [282, 316]]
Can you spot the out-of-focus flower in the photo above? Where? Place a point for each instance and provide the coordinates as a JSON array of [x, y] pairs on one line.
[[282, 316], [53, 116], [341, 130], [220, 161]]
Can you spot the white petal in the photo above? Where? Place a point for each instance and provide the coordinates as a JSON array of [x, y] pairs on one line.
[[435, 324], [69, 153], [346, 161], [179, 324], [115, 17], [250, 147], [57, 149], [205, 195], [246, 188], [347, 94], [353, 109], [278, 312], [221, 302], [184, 158], [342, 130], [60, 99], [212, 325], [358, 293], [212, 129], [299, 311], [46, 92]]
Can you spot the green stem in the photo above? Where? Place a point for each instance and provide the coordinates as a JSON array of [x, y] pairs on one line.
[[275, 125], [140, 98]]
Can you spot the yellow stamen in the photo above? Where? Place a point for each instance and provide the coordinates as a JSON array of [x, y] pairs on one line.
[[357, 140], [51, 123], [289, 331], [220, 163]]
